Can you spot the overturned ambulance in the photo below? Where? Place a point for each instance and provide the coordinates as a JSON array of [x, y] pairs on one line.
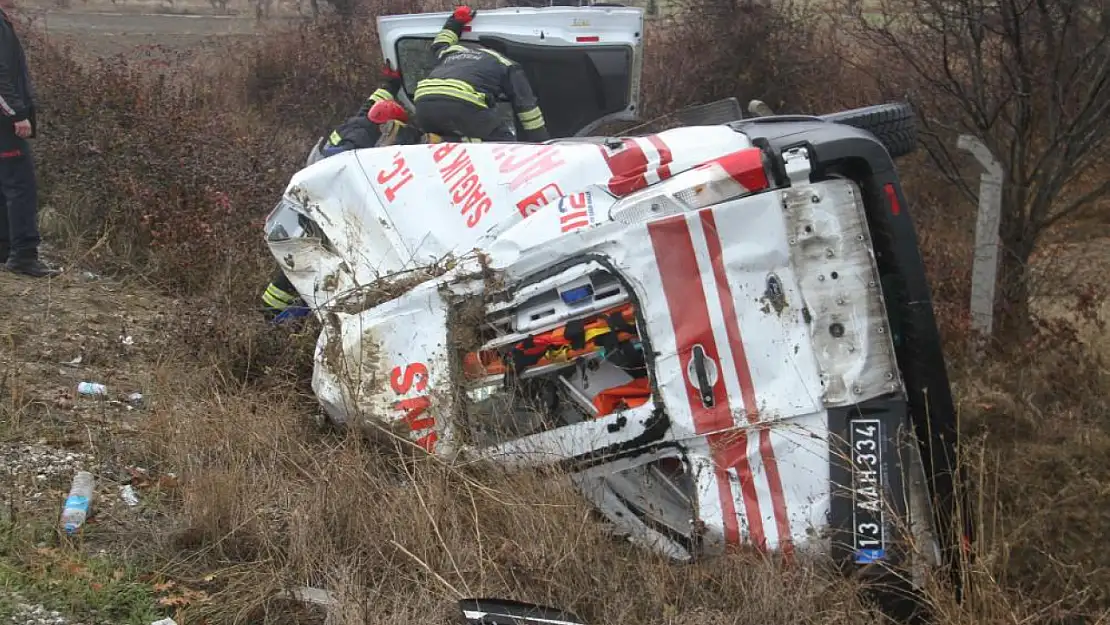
[[723, 330]]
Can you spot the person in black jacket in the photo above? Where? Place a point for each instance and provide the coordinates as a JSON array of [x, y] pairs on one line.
[[358, 131], [19, 232], [459, 96]]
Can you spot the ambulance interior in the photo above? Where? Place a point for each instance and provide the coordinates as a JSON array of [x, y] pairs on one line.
[[562, 351]]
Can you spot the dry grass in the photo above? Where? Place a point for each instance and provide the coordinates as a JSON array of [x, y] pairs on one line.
[[397, 537], [270, 501], [266, 499]]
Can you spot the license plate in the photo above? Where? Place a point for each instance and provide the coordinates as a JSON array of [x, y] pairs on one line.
[[869, 529]]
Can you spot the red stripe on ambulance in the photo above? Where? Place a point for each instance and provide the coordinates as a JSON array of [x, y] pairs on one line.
[[743, 371], [631, 166], [627, 166], [746, 168], [678, 267], [730, 451], [682, 286], [665, 157]]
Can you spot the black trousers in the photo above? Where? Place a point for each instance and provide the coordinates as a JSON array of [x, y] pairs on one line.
[[448, 116], [19, 229]]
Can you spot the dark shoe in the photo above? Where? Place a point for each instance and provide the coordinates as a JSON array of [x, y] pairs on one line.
[[30, 267]]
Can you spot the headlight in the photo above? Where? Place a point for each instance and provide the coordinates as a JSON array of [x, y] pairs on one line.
[[285, 221]]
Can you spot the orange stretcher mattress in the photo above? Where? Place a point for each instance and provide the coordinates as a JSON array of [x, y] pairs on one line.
[[552, 346]]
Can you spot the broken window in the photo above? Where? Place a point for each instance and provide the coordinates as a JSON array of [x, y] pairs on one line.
[[561, 351]]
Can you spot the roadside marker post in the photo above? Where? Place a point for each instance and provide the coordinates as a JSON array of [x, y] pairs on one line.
[[984, 270]]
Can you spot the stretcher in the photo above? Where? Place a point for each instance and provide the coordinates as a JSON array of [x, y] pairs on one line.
[[594, 337]]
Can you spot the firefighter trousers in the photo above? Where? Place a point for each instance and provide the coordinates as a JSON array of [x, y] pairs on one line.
[[448, 116]]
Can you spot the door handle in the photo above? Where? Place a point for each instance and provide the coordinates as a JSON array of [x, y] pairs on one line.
[[701, 373]]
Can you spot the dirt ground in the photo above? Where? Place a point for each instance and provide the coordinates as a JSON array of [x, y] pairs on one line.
[[84, 328], [76, 328], [100, 28]]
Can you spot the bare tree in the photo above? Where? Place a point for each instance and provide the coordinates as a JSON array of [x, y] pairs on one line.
[[1031, 78]]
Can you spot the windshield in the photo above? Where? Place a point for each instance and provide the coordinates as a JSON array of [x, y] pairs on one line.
[[414, 55]]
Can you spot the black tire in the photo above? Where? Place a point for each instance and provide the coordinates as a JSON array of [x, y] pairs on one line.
[[892, 124]]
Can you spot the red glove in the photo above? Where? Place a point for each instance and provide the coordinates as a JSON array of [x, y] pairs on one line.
[[463, 14], [389, 72]]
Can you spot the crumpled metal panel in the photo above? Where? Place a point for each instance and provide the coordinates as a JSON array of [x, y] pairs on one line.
[[387, 367], [831, 251]]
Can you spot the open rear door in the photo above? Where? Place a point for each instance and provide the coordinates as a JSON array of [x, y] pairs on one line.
[[584, 63]]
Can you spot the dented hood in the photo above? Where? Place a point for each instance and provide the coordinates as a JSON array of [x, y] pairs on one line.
[[380, 211]]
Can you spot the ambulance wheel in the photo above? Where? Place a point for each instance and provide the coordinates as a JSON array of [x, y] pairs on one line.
[[892, 124]]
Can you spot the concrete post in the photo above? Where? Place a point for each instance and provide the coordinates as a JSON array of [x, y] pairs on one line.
[[984, 270]]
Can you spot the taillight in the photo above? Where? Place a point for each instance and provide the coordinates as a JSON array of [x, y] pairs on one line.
[[892, 198]]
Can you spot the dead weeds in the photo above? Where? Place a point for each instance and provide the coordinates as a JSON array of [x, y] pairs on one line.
[[264, 500]]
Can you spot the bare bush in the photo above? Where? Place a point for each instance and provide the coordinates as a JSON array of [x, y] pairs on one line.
[[1030, 78], [170, 177], [717, 49], [158, 177]]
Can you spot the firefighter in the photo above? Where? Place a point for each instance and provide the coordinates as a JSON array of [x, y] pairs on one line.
[[392, 120], [459, 96], [359, 131], [280, 299]]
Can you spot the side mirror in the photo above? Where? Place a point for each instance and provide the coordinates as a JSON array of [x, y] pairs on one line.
[[505, 612]]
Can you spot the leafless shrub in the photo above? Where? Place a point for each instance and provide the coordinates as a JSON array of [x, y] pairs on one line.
[[1031, 79], [170, 178]]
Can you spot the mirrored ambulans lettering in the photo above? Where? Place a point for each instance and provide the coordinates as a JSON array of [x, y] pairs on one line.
[[547, 194], [463, 184], [576, 211], [395, 177], [407, 378], [527, 162]]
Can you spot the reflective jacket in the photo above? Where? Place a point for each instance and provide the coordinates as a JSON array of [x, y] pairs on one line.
[[480, 76], [355, 133], [359, 132], [279, 295]]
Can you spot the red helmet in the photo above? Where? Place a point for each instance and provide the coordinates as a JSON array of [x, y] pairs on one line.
[[387, 110]]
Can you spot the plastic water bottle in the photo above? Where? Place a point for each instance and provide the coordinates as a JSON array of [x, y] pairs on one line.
[[77, 503], [91, 388]]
